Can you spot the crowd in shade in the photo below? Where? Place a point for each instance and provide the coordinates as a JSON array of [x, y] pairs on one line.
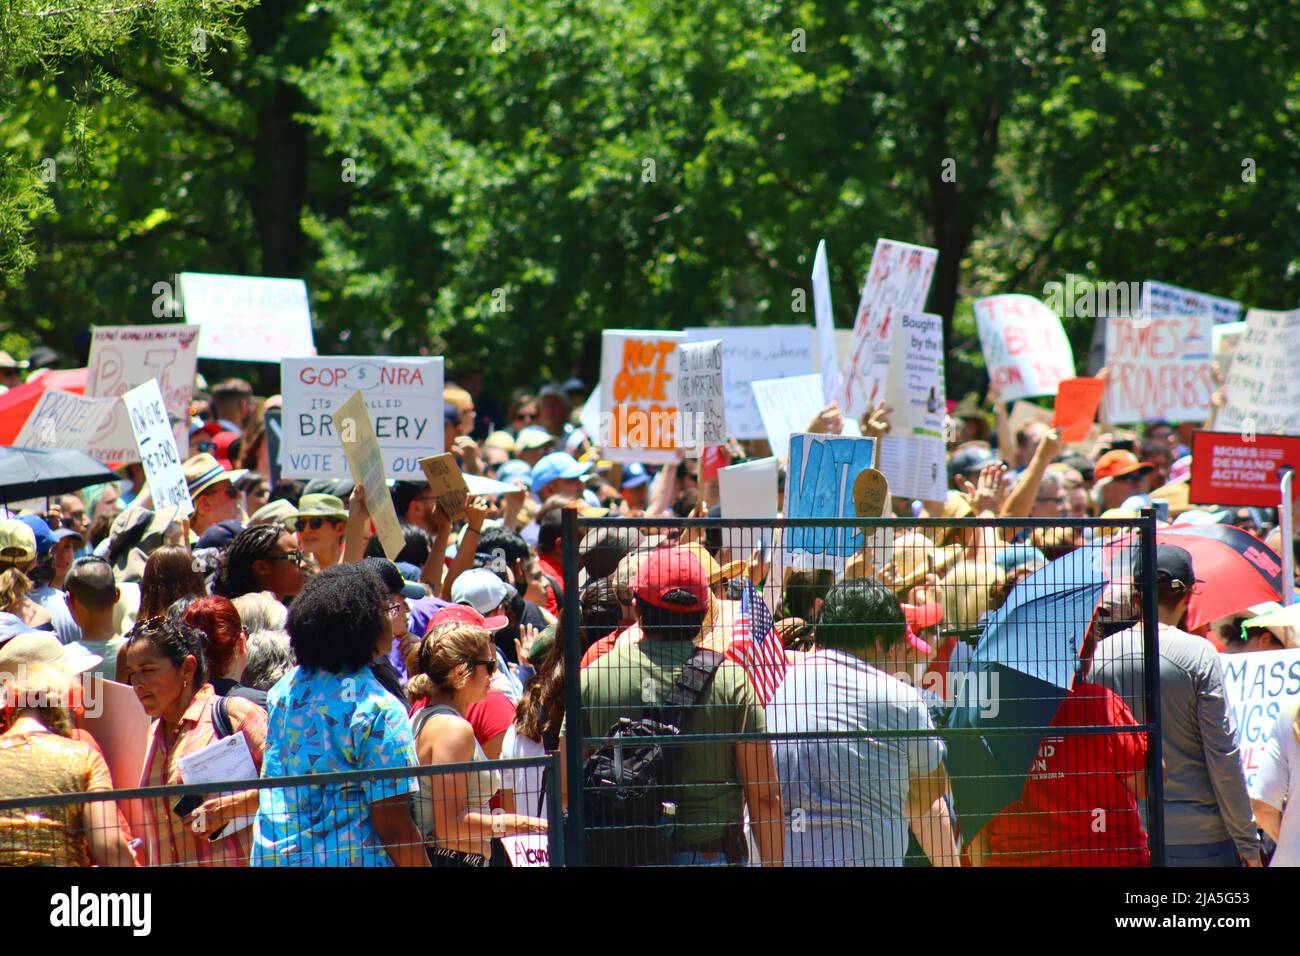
[[274, 613]]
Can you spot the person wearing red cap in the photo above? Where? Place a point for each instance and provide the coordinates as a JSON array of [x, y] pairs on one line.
[[715, 779], [1118, 476]]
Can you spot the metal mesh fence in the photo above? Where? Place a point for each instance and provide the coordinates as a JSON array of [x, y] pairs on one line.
[[402, 816], [861, 692]]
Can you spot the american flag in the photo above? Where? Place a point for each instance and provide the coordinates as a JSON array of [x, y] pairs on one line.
[[755, 645]]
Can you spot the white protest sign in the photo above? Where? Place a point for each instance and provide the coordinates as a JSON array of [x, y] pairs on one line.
[[1256, 685], [819, 484], [1263, 386], [65, 420], [1159, 368], [1226, 336], [530, 850], [748, 490], [756, 352], [124, 356], [157, 447], [1161, 299], [638, 395], [914, 385], [700, 396], [832, 379], [788, 405], [1025, 348], [897, 281], [248, 318], [915, 466], [403, 395]]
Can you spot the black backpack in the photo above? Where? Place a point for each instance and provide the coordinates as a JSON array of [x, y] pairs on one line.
[[625, 784]]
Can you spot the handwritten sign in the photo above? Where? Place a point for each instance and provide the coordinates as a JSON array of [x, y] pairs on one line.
[[1076, 407], [124, 356], [832, 379], [147, 413], [870, 494], [819, 484], [404, 396], [528, 850], [65, 420], [914, 386], [1226, 335], [1229, 468], [1025, 348], [1160, 299], [447, 484], [638, 395], [1256, 684], [248, 318], [1263, 385], [700, 396], [750, 353], [1159, 368], [897, 281], [365, 460], [787, 405]]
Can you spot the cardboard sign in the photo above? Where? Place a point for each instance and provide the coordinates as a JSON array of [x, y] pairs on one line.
[[870, 494], [748, 490], [1263, 386], [1233, 469], [365, 460], [1256, 685], [819, 484], [121, 728], [124, 356], [638, 395], [1076, 407], [404, 396], [898, 281], [832, 379], [1025, 348], [1225, 336], [65, 420], [1159, 368], [447, 484], [755, 352], [147, 414], [248, 318], [700, 396], [1160, 299]]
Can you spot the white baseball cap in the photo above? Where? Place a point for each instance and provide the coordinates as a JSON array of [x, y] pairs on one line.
[[481, 589]]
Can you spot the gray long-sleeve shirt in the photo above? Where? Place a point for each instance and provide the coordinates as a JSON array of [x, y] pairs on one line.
[[1206, 800]]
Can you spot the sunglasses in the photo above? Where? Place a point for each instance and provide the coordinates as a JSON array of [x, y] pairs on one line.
[[490, 665], [296, 556], [528, 416], [317, 523]]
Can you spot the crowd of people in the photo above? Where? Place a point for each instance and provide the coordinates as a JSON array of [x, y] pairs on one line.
[[272, 612]]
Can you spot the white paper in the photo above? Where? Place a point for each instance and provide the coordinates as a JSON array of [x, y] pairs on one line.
[[527, 849], [914, 387], [1158, 367], [832, 378], [1160, 299], [227, 759], [248, 318], [787, 405], [755, 352], [915, 466], [748, 490], [1025, 347], [1252, 689], [1226, 335], [1263, 387], [700, 396], [157, 446]]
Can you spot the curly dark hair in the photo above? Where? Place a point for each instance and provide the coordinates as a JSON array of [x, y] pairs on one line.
[[174, 642], [337, 618], [415, 551], [860, 613], [234, 575]]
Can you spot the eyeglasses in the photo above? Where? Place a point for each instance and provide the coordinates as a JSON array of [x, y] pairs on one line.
[[397, 606], [490, 665], [72, 519], [317, 523], [296, 556]]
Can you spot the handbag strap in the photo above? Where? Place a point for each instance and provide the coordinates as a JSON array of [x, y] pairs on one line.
[[221, 718], [697, 673]]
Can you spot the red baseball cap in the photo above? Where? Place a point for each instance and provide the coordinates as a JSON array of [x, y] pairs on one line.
[[467, 615], [1116, 463], [672, 569], [919, 617]]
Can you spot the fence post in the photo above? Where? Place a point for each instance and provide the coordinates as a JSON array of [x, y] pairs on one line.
[[555, 813], [574, 734], [1151, 674]]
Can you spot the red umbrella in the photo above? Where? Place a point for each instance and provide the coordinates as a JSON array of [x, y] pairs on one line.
[[1235, 568], [16, 404]]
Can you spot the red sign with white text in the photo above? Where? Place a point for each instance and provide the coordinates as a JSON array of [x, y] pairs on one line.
[[1229, 468]]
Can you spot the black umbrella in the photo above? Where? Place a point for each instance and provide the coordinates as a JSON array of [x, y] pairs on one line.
[[45, 472]]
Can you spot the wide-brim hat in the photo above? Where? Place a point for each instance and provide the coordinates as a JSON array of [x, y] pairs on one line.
[[202, 471], [319, 506]]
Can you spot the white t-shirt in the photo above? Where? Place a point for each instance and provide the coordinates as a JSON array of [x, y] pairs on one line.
[[526, 782], [1278, 784]]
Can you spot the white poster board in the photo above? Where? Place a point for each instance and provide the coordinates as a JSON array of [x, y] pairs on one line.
[[700, 396], [638, 395], [1263, 386], [1226, 337], [403, 395], [832, 378], [1159, 368], [65, 420], [1025, 348], [914, 389], [748, 490], [248, 318], [124, 356], [157, 448], [1162, 299], [1256, 685], [750, 353], [786, 406]]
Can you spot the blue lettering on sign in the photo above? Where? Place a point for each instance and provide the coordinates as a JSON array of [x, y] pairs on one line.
[[821, 486]]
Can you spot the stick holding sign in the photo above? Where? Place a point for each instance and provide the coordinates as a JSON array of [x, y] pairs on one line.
[[366, 462]]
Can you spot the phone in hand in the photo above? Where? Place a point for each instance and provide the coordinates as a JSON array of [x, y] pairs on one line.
[[187, 804]]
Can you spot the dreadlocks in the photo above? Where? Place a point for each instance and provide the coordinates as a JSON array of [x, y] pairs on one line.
[[234, 575]]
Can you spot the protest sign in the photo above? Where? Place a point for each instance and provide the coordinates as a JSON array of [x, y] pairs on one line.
[[1256, 685], [1229, 468], [787, 405], [365, 460], [1160, 299], [638, 395], [1022, 413], [447, 484], [404, 396], [1225, 336], [755, 352], [531, 850], [748, 490], [832, 380], [914, 383], [120, 726], [1076, 407], [1025, 348], [1263, 385], [1159, 368], [819, 484], [700, 397], [124, 356], [65, 420], [915, 466], [870, 494], [898, 281], [147, 414], [248, 318]]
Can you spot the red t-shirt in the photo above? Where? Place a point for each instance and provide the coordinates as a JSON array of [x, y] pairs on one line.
[[1075, 809], [490, 716], [553, 570]]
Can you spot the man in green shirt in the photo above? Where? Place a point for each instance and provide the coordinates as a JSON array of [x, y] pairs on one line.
[[713, 779]]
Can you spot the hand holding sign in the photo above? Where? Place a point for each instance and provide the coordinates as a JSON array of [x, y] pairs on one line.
[[1076, 407], [447, 484]]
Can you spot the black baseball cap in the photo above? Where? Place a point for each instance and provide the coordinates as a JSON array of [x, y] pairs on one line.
[[1173, 564], [969, 459]]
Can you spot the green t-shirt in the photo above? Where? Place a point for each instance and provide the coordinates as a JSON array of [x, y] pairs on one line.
[[709, 795]]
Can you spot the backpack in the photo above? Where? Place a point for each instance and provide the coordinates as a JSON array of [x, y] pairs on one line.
[[625, 783]]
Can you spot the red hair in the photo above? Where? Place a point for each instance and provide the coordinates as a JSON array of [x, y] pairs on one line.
[[218, 619]]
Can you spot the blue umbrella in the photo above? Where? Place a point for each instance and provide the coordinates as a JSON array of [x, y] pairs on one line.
[[1021, 670]]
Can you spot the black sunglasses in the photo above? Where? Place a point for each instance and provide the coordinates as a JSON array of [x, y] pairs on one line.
[[317, 523], [296, 556], [490, 665]]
